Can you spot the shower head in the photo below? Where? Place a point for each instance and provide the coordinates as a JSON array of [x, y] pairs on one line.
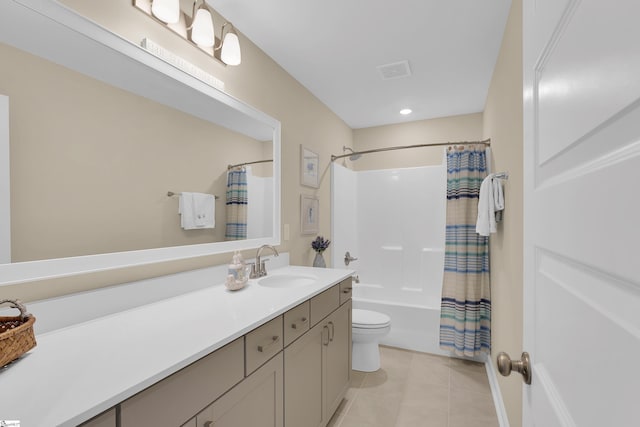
[[354, 157]]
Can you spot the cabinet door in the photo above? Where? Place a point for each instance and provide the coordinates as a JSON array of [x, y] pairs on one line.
[[337, 358], [303, 379], [255, 402]]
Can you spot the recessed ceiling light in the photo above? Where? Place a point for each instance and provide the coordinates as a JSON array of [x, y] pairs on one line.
[[405, 111]]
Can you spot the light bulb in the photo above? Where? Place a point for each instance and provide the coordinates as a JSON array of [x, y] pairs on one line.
[[405, 111], [230, 53], [166, 10], [202, 32]]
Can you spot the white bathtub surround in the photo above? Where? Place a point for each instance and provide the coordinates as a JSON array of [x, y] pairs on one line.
[[260, 197], [101, 360], [400, 249]]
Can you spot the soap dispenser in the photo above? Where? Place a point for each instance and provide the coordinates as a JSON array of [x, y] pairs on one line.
[[237, 275]]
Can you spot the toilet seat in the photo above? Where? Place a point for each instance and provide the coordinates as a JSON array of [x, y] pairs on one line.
[[367, 319]]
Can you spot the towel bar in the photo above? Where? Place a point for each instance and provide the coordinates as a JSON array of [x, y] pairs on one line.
[[171, 193]]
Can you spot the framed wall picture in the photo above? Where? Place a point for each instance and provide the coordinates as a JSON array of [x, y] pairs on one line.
[[309, 212], [309, 164]]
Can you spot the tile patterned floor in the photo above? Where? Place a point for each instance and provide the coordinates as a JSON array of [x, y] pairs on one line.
[[418, 389]]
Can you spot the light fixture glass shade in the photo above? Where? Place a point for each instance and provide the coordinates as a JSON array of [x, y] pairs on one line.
[[166, 10], [230, 53], [202, 32]]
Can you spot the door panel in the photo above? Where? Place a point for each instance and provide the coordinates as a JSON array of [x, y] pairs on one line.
[[586, 59], [303, 379], [255, 402], [582, 166], [338, 367]]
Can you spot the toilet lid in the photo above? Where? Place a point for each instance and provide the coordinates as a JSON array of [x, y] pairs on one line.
[[369, 319]]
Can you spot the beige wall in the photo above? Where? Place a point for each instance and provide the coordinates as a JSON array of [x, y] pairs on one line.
[[503, 124], [258, 81], [92, 176], [466, 127]]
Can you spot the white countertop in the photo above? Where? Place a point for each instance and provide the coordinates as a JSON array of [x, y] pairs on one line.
[[80, 370]]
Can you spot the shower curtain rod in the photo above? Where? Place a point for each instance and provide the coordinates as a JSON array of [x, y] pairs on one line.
[[248, 163], [402, 147]]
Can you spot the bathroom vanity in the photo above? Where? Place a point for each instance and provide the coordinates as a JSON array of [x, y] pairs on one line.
[[272, 354]]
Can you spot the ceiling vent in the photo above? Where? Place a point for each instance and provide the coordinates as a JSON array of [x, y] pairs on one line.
[[396, 70]]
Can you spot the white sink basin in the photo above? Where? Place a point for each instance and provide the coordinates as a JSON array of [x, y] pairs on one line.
[[287, 280]]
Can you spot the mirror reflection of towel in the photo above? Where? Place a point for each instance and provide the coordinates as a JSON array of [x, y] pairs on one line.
[[197, 210]]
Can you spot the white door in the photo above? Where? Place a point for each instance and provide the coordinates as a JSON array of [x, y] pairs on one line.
[[582, 212]]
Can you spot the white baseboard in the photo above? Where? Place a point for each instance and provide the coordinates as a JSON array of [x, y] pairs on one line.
[[495, 392]]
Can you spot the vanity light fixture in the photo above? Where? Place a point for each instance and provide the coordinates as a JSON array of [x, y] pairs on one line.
[[199, 26], [167, 11], [230, 46], [202, 32]]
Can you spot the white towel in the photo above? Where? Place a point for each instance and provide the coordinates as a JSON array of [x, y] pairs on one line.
[[491, 201], [197, 210], [498, 195]]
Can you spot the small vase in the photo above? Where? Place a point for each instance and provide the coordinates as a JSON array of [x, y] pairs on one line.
[[318, 261]]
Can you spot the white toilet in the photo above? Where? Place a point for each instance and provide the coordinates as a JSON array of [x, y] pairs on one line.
[[367, 329]]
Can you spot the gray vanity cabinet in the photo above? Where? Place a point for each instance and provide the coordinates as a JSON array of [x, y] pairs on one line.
[[317, 366], [292, 371], [255, 402]]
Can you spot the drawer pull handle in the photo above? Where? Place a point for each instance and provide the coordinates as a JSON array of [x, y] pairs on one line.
[[346, 291], [332, 331], [208, 424], [323, 329], [295, 325], [263, 348]]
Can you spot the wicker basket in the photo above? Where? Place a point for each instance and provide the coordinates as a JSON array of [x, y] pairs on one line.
[[16, 333]]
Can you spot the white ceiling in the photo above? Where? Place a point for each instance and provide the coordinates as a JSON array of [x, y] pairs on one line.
[[333, 48]]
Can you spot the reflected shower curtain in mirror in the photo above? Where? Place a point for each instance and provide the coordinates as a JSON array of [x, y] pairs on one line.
[[236, 208], [465, 316]]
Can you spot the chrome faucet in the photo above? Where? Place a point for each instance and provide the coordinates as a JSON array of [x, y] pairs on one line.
[[258, 269]]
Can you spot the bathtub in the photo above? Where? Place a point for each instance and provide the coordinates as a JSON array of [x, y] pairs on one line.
[[414, 326]]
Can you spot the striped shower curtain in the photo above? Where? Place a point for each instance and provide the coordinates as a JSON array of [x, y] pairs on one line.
[[465, 317], [236, 208]]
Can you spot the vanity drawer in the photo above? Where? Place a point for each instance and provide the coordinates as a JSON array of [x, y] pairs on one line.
[[296, 322], [345, 290], [323, 304], [262, 344], [106, 419], [178, 397]]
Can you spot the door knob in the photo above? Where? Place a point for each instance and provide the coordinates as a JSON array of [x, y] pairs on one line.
[[348, 258], [506, 365]]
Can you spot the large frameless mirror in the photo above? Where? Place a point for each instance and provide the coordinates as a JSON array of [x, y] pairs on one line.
[[101, 134]]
